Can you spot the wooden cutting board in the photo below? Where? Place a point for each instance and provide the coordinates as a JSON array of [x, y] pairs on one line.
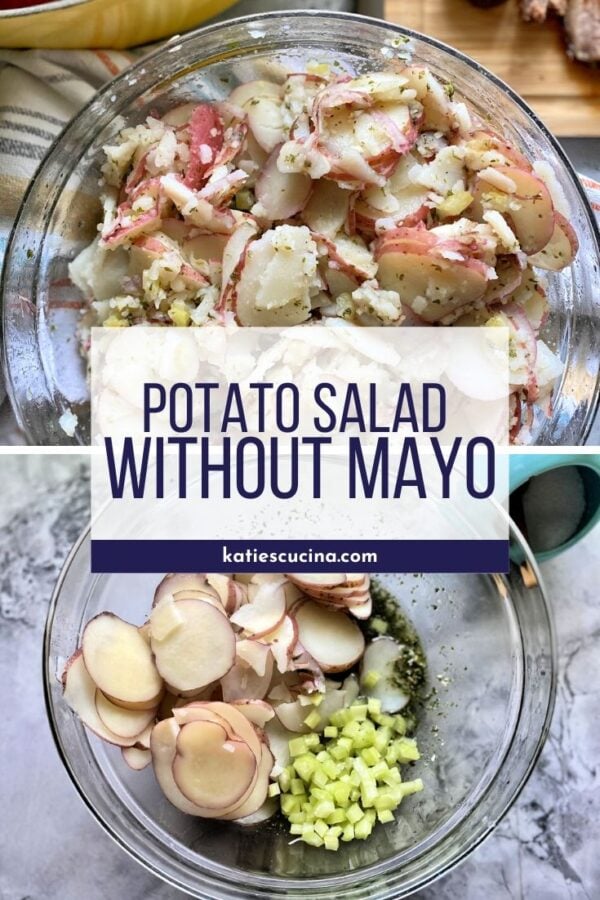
[[531, 58]]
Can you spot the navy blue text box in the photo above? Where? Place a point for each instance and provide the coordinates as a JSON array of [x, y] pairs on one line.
[[262, 556]]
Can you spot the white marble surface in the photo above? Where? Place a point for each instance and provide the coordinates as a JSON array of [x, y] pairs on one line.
[[52, 849]]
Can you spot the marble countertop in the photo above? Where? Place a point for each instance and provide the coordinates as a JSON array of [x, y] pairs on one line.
[[50, 847]]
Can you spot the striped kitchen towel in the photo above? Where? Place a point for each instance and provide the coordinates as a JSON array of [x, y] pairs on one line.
[[40, 90]]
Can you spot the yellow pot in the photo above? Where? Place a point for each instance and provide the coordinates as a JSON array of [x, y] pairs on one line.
[[102, 23]]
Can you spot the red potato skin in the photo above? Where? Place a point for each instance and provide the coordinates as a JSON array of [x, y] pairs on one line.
[[206, 129]]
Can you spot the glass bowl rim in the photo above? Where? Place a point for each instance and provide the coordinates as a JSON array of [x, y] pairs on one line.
[[257, 18], [325, 883]]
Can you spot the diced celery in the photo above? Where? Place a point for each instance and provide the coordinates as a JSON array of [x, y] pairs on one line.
[[348, 833], [358, 712], [374, 705], [324, 808], [305, 766], [312, 838], [351, 729], [316, 699], [362, 829], [274, 790], [400, 724], [320, 778], [330, 731], [379, 625], [337, 816], [297, 786], [321, 828], [295, 828], [341, 793], [335, 831], [313, 720], [370, 755], [354, 813], [284, 781], [369, 681], [368, 791], [385, 815], [331, 843], [289, 804], [411, 787], [298, 746], [311, 740]]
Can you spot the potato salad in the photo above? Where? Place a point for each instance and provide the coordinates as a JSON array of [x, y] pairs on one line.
[[374, 199]]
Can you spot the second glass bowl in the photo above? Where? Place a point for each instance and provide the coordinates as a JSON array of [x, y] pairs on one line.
[[491, 661], [45, 372]]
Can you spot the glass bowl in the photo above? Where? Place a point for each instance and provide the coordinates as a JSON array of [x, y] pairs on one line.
[[491, 659], [45, 373]]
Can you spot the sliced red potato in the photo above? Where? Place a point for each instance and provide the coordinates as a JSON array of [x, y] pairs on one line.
[[195, 209], [243, 683], [180, 585], [199, 712], [281, 194], [239, 724], [528, 207], [561, 249], [258, 796], [351, 255], [264, 613], [244, 94], [205, 246], [264, 812], [120, 662], [201, 650], [165, 618], [282, 640], [380, 657], [510, 275], [211, 769], [431, 286], [279, 739], [163, 746], [79, 692], [327, 208], [256, 711], [292, 715], [331, 638], [254, 653], [127, 723], [206, 139], [274, 284], [318, 580], [225, 587], [265, 121], [136, 758], [234, 255]]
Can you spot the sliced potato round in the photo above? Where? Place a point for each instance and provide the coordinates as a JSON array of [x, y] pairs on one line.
[[211, 769], [256, 711], [560, 250], [126, 723], [201, 650], [136, 758], [265, 612], [281, 194], [119, 660], [79, 692], [331, 638], [258, 796], [380, 657]]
